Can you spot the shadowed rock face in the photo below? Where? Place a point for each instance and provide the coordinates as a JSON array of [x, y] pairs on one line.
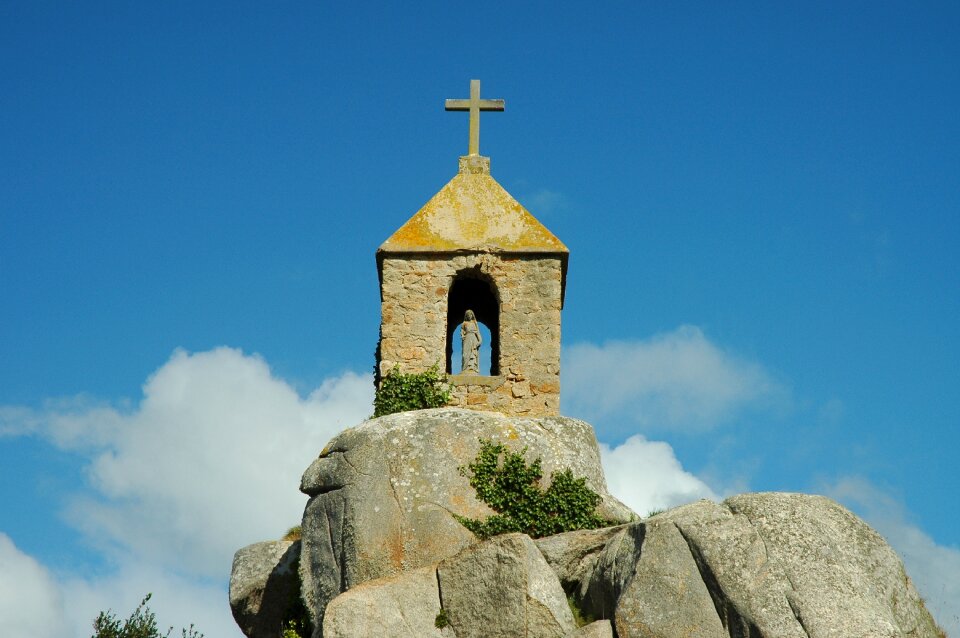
[[263, 585], [383, 494]]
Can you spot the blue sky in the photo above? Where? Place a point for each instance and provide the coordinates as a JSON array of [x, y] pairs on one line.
[[761, 202]]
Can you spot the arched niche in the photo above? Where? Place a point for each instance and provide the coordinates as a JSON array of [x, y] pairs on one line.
[[473, 290]]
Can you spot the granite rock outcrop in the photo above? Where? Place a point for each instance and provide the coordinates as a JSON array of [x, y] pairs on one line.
[[382, 552], [384, 493]]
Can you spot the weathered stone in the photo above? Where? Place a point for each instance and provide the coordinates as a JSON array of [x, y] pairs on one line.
[[402, 606], [472, 246], [529, 331], [263, 586], [572, 555], [842, 580], [650, 574], [520, 389], [503, 587], [328, 552], [758, 565], [598, 629], [599, 592], [747, 587], [384, 493]]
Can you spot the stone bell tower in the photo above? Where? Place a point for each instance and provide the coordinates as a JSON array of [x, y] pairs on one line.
[[473, 247]]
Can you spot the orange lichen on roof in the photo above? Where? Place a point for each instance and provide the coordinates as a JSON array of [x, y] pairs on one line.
[[473, 212]]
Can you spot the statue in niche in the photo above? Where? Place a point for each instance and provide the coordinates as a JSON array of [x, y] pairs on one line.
[[470, 334]]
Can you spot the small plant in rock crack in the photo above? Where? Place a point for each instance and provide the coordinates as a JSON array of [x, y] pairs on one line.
[[441, 620]]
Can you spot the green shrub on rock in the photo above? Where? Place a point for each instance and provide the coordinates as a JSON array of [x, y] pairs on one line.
[[512, 488], [142, 623], [400, 392]]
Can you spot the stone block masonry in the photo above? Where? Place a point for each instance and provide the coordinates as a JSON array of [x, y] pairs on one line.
[[415, 293]]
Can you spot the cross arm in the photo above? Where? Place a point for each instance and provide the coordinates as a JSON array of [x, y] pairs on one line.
[[464, 105]]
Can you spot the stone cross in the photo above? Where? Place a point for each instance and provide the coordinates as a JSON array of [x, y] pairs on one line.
[[474, 105]]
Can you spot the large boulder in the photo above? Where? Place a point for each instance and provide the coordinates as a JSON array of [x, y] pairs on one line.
[[842, 579], [572, 555], [401, 606], [264, 585], [749, 589], [767, 565], [384, 493], [501, 588], [647, 581]]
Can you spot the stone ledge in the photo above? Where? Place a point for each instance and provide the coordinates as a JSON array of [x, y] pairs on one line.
[[475, 379]]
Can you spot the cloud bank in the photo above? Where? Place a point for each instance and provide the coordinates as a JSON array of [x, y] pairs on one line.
[[678, 381], [208, 461], [31, 604]]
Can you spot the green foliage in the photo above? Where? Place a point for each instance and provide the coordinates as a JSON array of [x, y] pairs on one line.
[[289, 631], [400, 392], [580, 617], [142, 623], [441, 620], [296, 622], [293, 534], [511, 487]]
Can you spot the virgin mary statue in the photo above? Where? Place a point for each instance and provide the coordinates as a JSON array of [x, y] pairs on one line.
[[470, 333]]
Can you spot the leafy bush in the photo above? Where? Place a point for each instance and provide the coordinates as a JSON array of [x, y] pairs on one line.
[[400, 392], [511, 487], [142, 623]]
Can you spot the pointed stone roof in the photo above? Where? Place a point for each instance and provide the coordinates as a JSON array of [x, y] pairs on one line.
[[473, 213]]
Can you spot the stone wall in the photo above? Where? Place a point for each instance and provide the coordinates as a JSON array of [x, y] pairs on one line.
[[414, 295]]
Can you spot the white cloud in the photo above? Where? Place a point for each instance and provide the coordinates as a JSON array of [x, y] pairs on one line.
[[677, 381], [933, 568], [645, 476], [207, 462], [31, 605]]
